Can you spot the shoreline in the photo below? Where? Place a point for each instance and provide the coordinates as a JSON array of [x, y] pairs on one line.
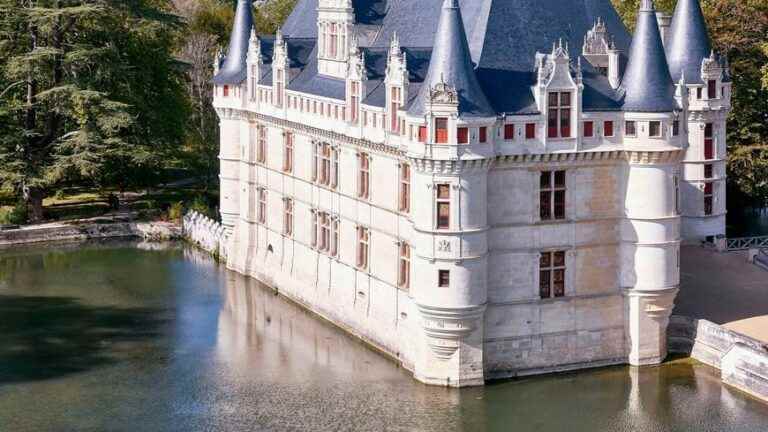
[[89, 229]]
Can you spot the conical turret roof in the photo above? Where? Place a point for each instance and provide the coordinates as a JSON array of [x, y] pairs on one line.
[[234, 70], [688, 42], [451, 63], [647, 85]]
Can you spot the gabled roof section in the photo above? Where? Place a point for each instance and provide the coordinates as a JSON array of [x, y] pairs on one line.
[[647, 84], [233, 70], [451, 63], [688, 42]]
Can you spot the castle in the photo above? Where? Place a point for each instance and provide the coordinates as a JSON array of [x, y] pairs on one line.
[[479, 188]]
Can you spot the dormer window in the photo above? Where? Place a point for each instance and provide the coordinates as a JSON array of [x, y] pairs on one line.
[[333, 41], [712, 89], [462, 135], [226, 90], [396, 99], [559, 117], [654, 129], [355, 101], [630, 128], [441, 130]]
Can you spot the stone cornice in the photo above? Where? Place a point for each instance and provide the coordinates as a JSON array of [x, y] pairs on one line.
[[636, 157]]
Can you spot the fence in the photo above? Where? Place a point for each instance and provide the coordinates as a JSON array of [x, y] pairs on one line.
[[206, 233], [745, 243]]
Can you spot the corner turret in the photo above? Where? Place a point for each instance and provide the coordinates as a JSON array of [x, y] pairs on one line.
[[233, 70], [688, 43]]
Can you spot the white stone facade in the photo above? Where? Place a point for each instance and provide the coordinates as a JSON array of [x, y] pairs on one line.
[[468, 304]]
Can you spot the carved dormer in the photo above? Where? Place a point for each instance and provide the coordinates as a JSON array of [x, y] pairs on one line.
[[280, 68], [335, 31], [558, 91], [713, 74], [600, 51], [356, 77], [255, 64], [396, 81]]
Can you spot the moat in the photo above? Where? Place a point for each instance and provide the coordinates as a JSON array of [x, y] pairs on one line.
[[125, 336]]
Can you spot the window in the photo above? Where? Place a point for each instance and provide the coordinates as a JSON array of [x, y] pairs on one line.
[[324, 229], [226, 90], [654, 129], [288, 217], [261, 148], [288, 153], [443, 206], [313, 237], [677, 195], [395, 101], [630, 128], [552, 195], [699, 92], [363, 241], [404, 267], [509, 132], [441, 130], [262, 206], [333, 42], [443, 278], [712, 89], [363, 181], [530, 131], [355, 102], [334, 168], [279, 88], [422, 134], [483, 134], [589, 129], [708, 198], [335, 237], [405, 188], [559, 117], [708, 171], [552, 275], [709, 142], [325, 164], [462, 135], [608, 128], [676, 128]]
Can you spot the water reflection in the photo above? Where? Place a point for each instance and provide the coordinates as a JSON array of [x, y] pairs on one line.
[[122, 337]]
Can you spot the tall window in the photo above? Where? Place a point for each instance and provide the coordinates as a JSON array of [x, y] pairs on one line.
[[712, 89], [405, 188], [589, 129], [443, 206], [404, 267], [254, 82], [708, 198], [288, 153], [677, 195], [396, 100], [709, 142], [325, 164], [676, 128], [608, 128], [363, 241], [288, 217], [313, 236], [280, 79], [333, 41], [355, 102], [335, 237], [552, 195], [262, 206], [324, 229], [261, 146], [364, 176], [559, 117], [334, 167], [441, 130], [530, 131], [509, 132], [654, 129], [462, 135], [552, 274], [630, 128]]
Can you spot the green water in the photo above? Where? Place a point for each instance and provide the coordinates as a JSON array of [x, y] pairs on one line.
[[125, 337]]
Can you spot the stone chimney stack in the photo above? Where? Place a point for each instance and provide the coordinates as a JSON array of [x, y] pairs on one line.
[[664, 20]]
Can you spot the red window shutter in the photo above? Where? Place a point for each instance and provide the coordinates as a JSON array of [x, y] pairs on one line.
[[441, 130], [530, 131], [462, 135], [422, 134], [589, 129], [226, 90], [509, 132], [483, 134], [608, 129]]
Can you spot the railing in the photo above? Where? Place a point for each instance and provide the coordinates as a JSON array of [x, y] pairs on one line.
[[744, 243]]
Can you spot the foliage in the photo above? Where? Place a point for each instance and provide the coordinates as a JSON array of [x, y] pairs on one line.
[[176, 211], [271, 15], [16, 215], [627, 9], [91, 94], [200, 205]]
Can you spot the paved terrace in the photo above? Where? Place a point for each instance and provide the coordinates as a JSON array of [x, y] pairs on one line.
[[724, 288]]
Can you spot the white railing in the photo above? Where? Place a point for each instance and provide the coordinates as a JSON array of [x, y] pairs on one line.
[[744, 243], [206, 233]]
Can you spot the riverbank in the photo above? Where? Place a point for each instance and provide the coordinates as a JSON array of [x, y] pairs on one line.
[[86, 229]]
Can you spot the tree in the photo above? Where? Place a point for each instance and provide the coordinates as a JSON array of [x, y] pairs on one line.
[[90, 93]]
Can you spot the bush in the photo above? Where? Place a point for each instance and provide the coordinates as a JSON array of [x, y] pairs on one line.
[[16, 215], [200, 205], [176, 211]]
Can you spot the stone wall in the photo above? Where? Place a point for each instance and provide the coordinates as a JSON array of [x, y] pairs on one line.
[[206, 233], [89, 230], [743, 361]]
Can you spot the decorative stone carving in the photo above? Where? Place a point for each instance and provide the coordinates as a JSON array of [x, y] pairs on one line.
[[445, 327], [444, 246], [442, 93]]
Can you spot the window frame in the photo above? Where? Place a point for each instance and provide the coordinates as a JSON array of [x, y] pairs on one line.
[[441, 130], [551, 207], [404, 265], [288, 217], [589, 129], [658, 132], [559, 119], [404, 200], [509, 132], [364, 176], [261, 144], [530, 131], [709, 141], [363, 247], [630, 131], [261, 216], [550, 266], [443, 202], [608, 126], [288, 154], [443, 278]]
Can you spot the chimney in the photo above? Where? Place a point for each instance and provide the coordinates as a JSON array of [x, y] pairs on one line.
[[664, 20]]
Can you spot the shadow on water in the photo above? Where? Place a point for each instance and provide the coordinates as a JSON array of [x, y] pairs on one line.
[[50, 337]]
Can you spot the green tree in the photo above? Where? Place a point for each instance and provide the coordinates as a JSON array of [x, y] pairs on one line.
[[90, 93]]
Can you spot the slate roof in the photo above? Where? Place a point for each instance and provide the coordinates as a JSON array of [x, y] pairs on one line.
[[233, 69], [502, 37], [647, 84], [688, 43]]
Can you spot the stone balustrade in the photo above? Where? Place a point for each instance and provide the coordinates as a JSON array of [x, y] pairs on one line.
[[206, 233]]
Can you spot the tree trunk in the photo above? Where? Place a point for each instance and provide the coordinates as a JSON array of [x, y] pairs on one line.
[[34, 200]]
